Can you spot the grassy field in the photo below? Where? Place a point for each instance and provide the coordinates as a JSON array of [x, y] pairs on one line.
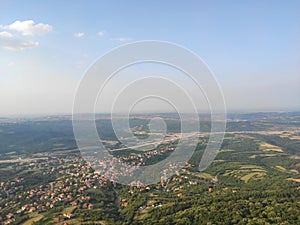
[[247, 172], [294, 179], [253, 175], [269, 147], [34, 218], [69, 209]]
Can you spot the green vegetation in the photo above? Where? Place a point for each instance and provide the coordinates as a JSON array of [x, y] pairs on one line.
[[255, 178]]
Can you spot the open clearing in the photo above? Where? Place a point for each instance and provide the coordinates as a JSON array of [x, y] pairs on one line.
[[202, 175], [262, 155], [247, 172], [247, 177], [281, 168], [294, 171], [35, 218], [294, 179], [269, 147], [69, 209]]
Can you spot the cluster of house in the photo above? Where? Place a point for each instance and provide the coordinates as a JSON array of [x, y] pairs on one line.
[[74, 177], [125, 165]]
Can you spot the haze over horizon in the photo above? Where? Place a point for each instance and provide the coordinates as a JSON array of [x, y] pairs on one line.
[[252, 48]]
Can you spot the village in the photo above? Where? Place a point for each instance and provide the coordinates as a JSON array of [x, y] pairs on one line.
[[53, 179]]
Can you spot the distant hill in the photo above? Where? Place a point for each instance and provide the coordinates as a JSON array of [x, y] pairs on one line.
[[40, 134]]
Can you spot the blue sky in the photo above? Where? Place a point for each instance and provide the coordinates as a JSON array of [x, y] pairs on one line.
[[253, 47]]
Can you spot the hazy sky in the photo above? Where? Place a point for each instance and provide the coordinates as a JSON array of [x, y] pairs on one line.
[[253, 47]]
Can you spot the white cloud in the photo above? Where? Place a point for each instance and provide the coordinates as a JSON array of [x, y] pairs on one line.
[[79, 35], [5, 34], [121, 39], [18, 45], [100, 33], [28, 27], [10, 42]]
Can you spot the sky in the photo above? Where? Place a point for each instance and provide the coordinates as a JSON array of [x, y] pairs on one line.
[[46, 47]]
